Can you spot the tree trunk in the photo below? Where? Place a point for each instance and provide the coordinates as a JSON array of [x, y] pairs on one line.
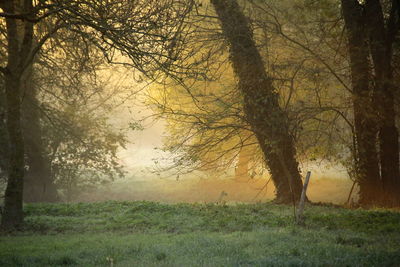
[[382, 35], [19, 45], [38, 182], [365, 117], [261, 107], [13, 214], [3, 134]]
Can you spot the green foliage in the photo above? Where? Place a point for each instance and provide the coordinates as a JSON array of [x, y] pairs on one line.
[[80, 139], [82, 147], [153, 234]]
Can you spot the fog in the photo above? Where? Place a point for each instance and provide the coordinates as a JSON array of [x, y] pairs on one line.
[[321, 189], [141, 182]]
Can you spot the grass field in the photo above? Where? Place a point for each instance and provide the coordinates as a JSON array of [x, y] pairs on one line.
[[153, 234]]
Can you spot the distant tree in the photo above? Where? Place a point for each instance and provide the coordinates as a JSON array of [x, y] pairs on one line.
[[38, 183], [82, 147], [65, 76]]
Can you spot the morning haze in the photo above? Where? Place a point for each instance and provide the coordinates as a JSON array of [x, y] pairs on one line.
[[199, 133]]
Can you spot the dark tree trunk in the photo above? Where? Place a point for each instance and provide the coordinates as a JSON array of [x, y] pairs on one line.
[[19, 45], [3, 134], [261, 107], [38, 182], [13, 214], [365, 117], [382, 35]]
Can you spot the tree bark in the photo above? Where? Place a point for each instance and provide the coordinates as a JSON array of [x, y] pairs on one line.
[[382, 35], [3, 134], [261, 106], [19, 45], [38, 182], [365, 117], [13, 214]]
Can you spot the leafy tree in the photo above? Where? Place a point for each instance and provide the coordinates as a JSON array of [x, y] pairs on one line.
[[38, 183], [82, 147], [148, 32]]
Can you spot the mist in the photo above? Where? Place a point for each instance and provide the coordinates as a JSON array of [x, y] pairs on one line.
[[328, 190], [184, 133]]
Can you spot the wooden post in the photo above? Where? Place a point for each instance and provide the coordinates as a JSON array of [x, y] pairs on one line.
[[300, 209]]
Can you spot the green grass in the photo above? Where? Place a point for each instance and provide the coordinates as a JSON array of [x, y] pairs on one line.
[[153, 234]]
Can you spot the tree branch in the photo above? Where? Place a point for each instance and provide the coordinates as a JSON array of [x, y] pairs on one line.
[[41, 42], [28, 16]]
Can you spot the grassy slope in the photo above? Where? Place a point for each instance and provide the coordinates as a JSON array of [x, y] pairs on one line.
[[147, 234]]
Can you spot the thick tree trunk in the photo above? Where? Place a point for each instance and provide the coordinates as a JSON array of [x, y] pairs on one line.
[[382, 35], [261, 107], [365, 117], [13, 214], [38, 182], [389, 150], [19, 45], [388, 136]]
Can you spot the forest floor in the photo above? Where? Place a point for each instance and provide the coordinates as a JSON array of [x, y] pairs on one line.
[[154, 234]]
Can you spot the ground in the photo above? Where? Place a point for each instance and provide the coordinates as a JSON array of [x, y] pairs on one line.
[[153, 234]]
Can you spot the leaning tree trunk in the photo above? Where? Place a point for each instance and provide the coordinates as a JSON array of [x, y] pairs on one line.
[[365, 117], [261, 106], [382, 35], [19, 44]]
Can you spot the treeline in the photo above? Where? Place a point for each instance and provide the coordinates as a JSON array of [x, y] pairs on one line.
[[289, 80]]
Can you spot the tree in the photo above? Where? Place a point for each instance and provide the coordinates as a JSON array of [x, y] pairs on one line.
[[382, 35], [148, 32], [19, 46], [3, 134], [207, 127], [372, 29], [364, 112], [333, 108], [81, 146], [261, 105], [370, 41], [38, 181]]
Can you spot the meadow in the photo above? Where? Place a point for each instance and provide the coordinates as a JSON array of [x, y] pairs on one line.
[[143, 233]]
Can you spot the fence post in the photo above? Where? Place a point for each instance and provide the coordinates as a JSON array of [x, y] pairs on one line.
[[300, 209]]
